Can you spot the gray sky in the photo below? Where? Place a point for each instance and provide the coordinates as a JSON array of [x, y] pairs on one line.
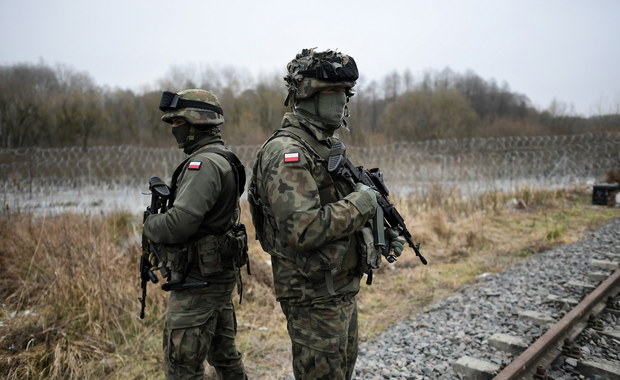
[[567, 50]]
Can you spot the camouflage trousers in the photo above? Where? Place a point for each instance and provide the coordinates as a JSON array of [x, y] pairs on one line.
[[324, 338], [193, 334]]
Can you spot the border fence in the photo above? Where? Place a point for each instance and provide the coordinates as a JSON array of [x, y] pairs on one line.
[[31, 176]]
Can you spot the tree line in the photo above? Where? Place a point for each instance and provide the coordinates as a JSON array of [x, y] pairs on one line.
[[41, 105]]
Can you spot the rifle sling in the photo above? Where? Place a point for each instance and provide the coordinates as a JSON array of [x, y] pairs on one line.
[[308, 140]]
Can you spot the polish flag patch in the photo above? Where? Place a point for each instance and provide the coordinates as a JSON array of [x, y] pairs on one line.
[[194, 165], [291, 157]]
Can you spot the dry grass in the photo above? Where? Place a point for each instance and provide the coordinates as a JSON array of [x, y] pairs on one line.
[[69, 298], [70, 283]]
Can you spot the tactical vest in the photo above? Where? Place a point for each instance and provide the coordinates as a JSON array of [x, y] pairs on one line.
[[329, 192], [214, 251]]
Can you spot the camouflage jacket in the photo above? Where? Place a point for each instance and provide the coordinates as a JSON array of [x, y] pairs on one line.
[[205, 202], [305, 219]]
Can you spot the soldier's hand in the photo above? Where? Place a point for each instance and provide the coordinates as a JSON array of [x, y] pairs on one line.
[[373, 194], [147, 213], [153, 260], [145, 246], [395, 243]]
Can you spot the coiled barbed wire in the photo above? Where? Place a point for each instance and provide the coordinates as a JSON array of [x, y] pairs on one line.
[[478, 163]]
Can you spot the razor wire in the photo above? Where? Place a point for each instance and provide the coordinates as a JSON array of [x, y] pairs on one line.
[[472, 165]]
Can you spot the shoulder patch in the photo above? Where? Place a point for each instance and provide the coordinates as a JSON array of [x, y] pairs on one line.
[[194, 165], [291, 157]]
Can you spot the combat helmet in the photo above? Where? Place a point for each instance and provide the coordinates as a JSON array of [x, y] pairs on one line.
[[198, 107], [312, 71]]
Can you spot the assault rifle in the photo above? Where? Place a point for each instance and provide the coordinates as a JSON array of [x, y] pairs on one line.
[[338, 163], [160, 201]]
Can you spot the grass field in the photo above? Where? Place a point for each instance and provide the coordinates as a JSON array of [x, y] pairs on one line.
[[70, 284]]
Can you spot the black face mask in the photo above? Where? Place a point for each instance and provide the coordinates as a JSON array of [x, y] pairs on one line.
[[181, 133]]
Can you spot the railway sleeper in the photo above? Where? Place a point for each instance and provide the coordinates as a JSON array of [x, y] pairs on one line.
[[581, 285], [564, 303], [475, 369], [508, 343], [599, 368], [537, 317], [605, 264], [598, 276]]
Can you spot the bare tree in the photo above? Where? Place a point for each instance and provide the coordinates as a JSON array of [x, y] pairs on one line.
[[23, 90], [80, 107]]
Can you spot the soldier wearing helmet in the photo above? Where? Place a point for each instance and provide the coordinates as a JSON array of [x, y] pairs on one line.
[[314, 225], [204, 245]]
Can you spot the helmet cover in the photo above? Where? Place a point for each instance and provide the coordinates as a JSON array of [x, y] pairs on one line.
[[313, 71], [198, 107]]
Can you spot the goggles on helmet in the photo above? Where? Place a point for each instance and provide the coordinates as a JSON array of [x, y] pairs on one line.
[[171, 101]]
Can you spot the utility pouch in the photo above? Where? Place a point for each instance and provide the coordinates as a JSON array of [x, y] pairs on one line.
[[207, 254], [370, 254], [260, 214], [323, 263], [175, 257], [235, 246], [267, 235]]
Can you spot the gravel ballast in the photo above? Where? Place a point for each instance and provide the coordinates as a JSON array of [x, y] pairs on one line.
[[427, 346]]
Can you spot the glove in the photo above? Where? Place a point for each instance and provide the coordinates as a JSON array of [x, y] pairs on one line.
[[394, 242], [153, 260], [373, 194], [147, 213]]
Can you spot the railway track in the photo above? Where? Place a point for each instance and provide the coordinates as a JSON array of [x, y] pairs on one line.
[[583, 344]]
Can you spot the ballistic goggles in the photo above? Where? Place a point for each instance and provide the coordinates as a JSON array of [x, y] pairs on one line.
[[171, 101]]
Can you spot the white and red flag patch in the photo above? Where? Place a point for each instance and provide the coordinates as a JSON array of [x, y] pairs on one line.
[[291, 157], [194, 165]]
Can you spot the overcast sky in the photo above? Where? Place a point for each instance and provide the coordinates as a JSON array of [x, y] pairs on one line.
[[567, 50]]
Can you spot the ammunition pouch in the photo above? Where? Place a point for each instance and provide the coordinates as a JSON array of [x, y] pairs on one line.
[[214, 253], [206, 255], [235, 246]]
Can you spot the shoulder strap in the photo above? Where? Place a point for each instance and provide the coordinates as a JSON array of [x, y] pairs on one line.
[[232, 159], [307, 140], [320, 150], [237, 166]]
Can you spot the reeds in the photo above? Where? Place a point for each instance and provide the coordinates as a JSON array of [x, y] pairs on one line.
[[69, 283]]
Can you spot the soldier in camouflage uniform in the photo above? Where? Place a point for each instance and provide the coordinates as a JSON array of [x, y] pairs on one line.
[[195, 234], [315, 225]]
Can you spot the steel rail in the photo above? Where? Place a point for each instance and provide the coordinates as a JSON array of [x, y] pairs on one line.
[[548, 346]]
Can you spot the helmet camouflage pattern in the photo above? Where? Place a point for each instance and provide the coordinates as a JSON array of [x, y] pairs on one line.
[[312, 71], [198, 107]]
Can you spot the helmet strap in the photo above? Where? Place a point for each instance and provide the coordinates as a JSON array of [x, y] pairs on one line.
[[346, 115], [316, 107], [290, 96], [192, 133]]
